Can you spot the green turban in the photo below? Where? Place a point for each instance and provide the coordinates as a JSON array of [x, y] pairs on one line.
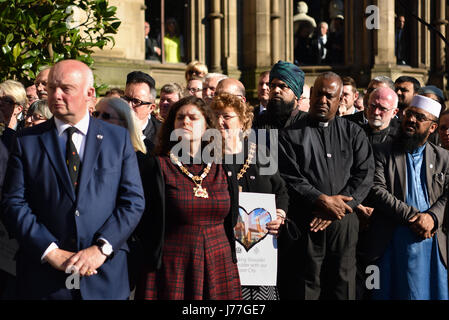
[[291, 74]]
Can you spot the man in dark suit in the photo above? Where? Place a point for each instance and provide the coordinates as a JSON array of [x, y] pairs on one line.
[[407, 236], [140, 94], [72, 196], [152, 48]]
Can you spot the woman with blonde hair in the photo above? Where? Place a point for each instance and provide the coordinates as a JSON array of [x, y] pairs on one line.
[[116, 111], [17, 91], [195, 69]]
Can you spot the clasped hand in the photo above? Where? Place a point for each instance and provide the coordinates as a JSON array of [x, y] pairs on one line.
[[85, 262], [329, 208], [422, 224]]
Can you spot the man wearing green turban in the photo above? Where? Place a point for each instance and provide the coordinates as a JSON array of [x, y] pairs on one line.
[[286, 84]]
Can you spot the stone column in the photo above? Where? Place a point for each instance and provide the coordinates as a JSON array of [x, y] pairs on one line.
[[275, 32], [215, 17], [230, 51], [132, 15], [385, 35], [384, 38], [437, 77], [256, 44]]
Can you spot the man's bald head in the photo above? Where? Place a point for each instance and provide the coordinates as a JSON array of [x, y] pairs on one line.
[[70, 89], [382, 107], [231, 86]]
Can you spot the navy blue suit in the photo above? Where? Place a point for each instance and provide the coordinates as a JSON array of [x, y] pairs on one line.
[[41, 207]]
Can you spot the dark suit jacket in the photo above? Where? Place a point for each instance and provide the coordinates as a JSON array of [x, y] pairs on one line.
[[4, 155], [41, 207], [150, 53], [357, 117], [152, 129], [389, 192], [8, 136]]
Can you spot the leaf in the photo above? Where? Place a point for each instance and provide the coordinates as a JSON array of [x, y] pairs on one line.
[[6, 49], [16, 51], [9, 37]]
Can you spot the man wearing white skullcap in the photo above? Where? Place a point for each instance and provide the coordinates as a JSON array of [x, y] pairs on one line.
[[406, 239]]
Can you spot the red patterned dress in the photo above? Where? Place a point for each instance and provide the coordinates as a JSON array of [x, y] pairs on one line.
[[196, 261]]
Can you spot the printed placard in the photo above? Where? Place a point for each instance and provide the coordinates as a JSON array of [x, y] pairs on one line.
[[256, 249]]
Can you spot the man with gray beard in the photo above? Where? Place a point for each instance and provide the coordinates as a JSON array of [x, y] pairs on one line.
[[381, 109]]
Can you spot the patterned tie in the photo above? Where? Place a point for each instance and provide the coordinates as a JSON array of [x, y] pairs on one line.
[[72, 158]]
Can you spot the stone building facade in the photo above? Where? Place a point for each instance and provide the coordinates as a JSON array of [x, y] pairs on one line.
[[244, 37]]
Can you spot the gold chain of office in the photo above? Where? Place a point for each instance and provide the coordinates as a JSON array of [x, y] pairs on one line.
[[198, 190], [252, 150]]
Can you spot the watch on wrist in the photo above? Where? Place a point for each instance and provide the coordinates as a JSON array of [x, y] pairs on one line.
[[105, 247]]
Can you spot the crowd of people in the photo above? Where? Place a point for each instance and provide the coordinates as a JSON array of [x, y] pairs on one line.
[[118, 189]]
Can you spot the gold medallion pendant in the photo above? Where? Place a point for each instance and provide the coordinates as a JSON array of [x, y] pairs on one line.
[[200, 192]]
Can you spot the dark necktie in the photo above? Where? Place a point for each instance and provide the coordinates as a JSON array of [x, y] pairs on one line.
[[72, 158]]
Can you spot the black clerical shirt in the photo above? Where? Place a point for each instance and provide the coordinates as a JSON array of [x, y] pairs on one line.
[[333, 159]]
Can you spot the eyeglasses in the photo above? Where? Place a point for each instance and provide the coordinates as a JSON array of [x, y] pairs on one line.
[[226, 117], [281, 86], [104, 115], [135, 102], [418, 116], [380, 108], [194, 90], [37, 117]]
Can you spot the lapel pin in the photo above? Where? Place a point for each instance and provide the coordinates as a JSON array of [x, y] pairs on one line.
[[99, 136], [229, 173]]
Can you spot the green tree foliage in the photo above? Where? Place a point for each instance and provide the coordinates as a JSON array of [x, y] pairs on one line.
[[36, 33]]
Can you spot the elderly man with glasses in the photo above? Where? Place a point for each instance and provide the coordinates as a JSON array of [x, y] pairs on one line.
[[138, 94]]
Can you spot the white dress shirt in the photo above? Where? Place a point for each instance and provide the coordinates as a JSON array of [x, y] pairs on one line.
[[79, 140]]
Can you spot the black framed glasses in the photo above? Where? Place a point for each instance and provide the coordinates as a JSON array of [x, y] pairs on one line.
[[134, 101], [418, 116], [104, 116]]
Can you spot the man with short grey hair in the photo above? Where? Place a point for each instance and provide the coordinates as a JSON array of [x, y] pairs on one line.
[[210, 83], [170, 93], [380, 81]]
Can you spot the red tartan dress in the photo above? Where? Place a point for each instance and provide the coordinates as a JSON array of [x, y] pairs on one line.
[[196, 260]]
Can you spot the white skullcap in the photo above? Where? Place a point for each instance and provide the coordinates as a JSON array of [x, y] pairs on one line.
[[427, 104]]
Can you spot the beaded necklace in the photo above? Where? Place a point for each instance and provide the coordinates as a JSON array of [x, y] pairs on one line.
[[198, 191]]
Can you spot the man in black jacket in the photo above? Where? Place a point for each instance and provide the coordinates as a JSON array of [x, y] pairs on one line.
[[138, 93]]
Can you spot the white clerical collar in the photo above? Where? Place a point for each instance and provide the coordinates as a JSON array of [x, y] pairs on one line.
[[82, 125], [323, 124]]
